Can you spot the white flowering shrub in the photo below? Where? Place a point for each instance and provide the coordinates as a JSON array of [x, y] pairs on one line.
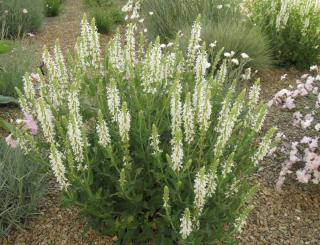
[[293, 28], [301, 151], [149, 145]]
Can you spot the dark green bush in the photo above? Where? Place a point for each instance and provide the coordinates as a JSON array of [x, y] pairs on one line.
[[106, 13], [103, 19], [52, 7], [22, 186], [18, 17], [13, 65], [5, 46], [222, 22]]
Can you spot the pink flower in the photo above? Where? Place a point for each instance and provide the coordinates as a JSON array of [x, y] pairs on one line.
[[286, 166], [313, 144], [306, 140], [289, 103], [318, 102], [11, 142], [301, 90], [306, 123], [297, 117], [303, 176], [294, 152], [309, 83], [30, 124]]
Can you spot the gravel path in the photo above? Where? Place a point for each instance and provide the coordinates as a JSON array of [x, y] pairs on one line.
[[290, 217]]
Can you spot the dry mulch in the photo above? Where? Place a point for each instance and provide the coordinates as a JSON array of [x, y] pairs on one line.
[[290, 217]]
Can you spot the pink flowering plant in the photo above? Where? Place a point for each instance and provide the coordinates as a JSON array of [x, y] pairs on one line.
[[302, 152], [150, 144]]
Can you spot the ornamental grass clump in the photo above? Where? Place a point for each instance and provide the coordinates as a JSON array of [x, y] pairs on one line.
[[293, 28], [149, 144], [20, 17], [223, 25]]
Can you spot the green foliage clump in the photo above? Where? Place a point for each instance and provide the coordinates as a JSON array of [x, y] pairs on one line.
[[150, 144], [22, 186], [107, 14], [222, 21], [13, 65], [52, 7], [18, 17], [5, 46], [293, 28]]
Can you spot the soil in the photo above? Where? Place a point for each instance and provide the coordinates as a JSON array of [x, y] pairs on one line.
[[289, 217]]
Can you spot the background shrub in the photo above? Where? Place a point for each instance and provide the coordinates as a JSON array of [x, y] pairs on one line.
[[5, 46], [19, 17], [52, 7], [14, 64], [222, 22], [107, 14], [22, 186], [293, 28]]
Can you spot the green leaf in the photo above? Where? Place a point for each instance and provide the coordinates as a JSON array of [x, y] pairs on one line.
[[7, 100], [5, 125]]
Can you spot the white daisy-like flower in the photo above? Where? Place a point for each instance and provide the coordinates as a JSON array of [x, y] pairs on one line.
[[235, 61], [151, 13], [25, 11], [244, 56], [227, 54], [212, 45]]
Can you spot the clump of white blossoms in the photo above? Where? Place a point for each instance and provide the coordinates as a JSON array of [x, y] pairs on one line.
[[149, 137]]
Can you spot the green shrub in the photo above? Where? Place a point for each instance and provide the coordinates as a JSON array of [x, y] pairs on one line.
[[18, 17], [22, 186], [222, 20], [52, 7], [149, 145], [106, 13], [13, 65], [293, 28], [103, 19], [5, 46]]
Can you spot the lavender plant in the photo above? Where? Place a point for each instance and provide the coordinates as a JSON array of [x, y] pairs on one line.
[[149, 145]]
